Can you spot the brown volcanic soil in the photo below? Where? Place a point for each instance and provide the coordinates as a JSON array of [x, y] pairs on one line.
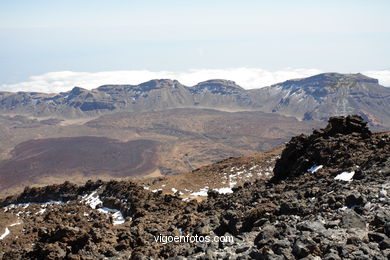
[[228, 173], [204, 136], [87, 156], [188, 139]]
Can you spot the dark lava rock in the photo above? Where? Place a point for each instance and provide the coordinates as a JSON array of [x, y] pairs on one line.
[[328, 147], [303, 247], [346, 125], [354, 200], [385, 244], [387, 229], [312, 226], [377, 237], [332, 256], [353, 220]]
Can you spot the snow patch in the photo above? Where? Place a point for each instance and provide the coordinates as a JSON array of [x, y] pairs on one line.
[[225, 190], [201, 192], [249, 175], [40, 212], [50, 203], [232, 184], [116, 215], [6, 233], [315, 168], [180, 230], [175, 190], [345, 176], [92, 200], [26, 205]]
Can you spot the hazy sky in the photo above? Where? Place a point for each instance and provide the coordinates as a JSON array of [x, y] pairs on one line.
[[43, 36]]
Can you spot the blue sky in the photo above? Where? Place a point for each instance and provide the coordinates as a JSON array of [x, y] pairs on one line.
[[43, 36]]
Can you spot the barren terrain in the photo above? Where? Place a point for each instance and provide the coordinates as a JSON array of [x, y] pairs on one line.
[[38, 151]]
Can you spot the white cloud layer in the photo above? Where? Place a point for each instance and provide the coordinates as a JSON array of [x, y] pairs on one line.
[[248, 78], [382, 75]]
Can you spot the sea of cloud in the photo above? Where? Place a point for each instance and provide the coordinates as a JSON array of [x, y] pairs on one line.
[[248, 78]]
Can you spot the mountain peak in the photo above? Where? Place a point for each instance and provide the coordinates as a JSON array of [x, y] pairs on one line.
[[357, 77], [330, 78], [77, 91], [224, 82], [159, 84], [217, 86]]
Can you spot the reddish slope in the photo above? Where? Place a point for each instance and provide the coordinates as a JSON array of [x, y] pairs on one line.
[[86, 156]]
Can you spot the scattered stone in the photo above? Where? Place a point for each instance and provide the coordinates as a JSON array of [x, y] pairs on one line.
[[353, 220]]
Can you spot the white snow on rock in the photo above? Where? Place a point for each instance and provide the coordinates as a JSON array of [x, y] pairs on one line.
[[345, 176], [249, 175], [41, 211], [180, 230], [6, 233], [174, 190], [92, 200], [51, 202], [117, 216], [232, 183], [225, 190], [202, 192], [26, 205], [315, 168]]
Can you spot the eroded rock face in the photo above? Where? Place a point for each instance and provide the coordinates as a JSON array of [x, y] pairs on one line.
[[345, 144]]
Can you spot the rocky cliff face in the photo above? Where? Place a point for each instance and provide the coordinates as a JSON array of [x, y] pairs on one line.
[[313, 98], [327, 211]]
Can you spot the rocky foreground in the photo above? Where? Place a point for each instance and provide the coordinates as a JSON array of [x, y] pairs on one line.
[[328, 199]]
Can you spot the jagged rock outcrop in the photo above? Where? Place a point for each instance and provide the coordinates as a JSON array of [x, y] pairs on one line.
[[345, 144]]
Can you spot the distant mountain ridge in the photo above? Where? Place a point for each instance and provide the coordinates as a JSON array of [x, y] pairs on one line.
[[313, 98]]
